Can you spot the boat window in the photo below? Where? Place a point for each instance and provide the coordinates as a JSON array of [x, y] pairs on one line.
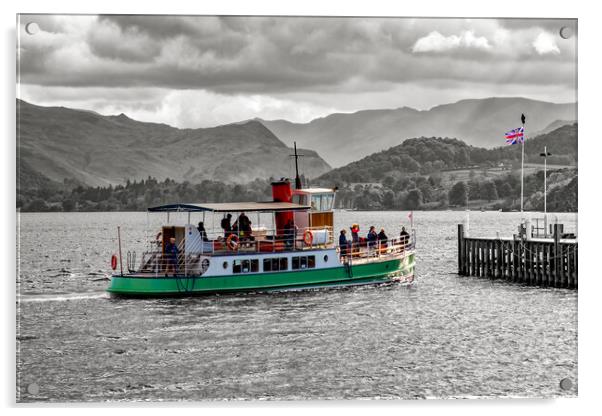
[[327, 200], [304, 262], [316, 202], [245, 266], [322, 202], [283, 263], [275, 264], [267, 265]]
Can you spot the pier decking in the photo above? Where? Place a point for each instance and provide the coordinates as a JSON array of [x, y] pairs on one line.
[[546, 262]]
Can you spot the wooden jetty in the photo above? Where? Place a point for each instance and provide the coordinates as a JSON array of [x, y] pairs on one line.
[[546, 262]]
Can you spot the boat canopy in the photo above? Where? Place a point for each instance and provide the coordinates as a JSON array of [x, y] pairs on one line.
[[231, 207]]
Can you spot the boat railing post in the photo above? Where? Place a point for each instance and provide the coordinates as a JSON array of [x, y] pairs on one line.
[[185, 256]]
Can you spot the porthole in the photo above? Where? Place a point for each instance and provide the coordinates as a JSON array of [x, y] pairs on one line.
[[225, 265], [325, 257]]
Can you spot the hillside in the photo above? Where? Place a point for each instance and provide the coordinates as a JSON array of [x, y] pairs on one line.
[[479, 122], [553, 126], [57, 144], [422, 173], [429, 155]]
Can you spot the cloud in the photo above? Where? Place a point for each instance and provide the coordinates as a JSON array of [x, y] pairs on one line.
[[436, 42], [179, 108], [259, 55], [545, 44], [284, 67]]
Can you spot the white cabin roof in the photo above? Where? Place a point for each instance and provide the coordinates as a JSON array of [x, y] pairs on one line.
[[314, 191], [231, 207]]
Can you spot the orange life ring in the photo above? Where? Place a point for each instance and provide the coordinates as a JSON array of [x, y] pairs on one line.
[[113, 261], [232, 242], [308, 238]]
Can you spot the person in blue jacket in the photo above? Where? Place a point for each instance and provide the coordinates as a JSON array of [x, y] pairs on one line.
[[372, 237], [343, 244], [171, 254]]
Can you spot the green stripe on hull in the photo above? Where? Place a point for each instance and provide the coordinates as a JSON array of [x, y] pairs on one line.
[[375, 272]]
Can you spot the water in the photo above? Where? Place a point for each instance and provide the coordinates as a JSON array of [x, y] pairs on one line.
[[444, 336]]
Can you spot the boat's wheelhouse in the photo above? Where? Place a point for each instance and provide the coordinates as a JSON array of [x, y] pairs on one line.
[[321, 203]]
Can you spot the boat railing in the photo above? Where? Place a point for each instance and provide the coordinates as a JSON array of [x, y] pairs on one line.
[[378, 248], [159, 263], [191, 256]]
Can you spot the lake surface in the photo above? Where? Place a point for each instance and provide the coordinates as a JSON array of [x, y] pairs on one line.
[[443, 336]]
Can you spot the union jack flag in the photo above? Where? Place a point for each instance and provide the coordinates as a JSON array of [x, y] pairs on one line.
[[515, 136]]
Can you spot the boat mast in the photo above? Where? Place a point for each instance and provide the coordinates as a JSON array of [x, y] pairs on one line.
[[297, 177]]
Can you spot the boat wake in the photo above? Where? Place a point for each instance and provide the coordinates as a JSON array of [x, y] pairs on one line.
[[61, 297]]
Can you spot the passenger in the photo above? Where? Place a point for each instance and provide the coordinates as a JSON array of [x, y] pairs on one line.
[[244, 224], [372, 237], [202, 231], [405, 237], [343, 244], [171, 254], [382, 238], [226, 225], [355, 239]]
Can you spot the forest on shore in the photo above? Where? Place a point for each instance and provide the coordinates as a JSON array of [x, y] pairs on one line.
[[417, 192]]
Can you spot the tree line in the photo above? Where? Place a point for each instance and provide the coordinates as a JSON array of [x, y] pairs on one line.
[[434, 193], [138, 195], [413, 192]]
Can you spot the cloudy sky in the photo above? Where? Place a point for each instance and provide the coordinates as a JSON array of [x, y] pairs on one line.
[[199, 71]]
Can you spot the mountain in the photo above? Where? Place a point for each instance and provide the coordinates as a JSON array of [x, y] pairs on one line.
[[427, 155], [57, 144], [555, 125], [479, 122]]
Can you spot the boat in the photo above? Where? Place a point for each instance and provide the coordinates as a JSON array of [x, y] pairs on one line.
[[296, 251]]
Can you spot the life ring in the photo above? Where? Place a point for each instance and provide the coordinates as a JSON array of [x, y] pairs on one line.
[[308, 238], [113, 261], [232, 242], [204, 265]]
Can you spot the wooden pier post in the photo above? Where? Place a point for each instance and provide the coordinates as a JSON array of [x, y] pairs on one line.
[[461, 251], [556, 255]]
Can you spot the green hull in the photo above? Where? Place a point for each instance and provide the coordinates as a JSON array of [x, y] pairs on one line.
[[368, 273]]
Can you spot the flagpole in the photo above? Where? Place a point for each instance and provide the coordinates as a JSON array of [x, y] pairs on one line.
[[545, 178], [522, 165]]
